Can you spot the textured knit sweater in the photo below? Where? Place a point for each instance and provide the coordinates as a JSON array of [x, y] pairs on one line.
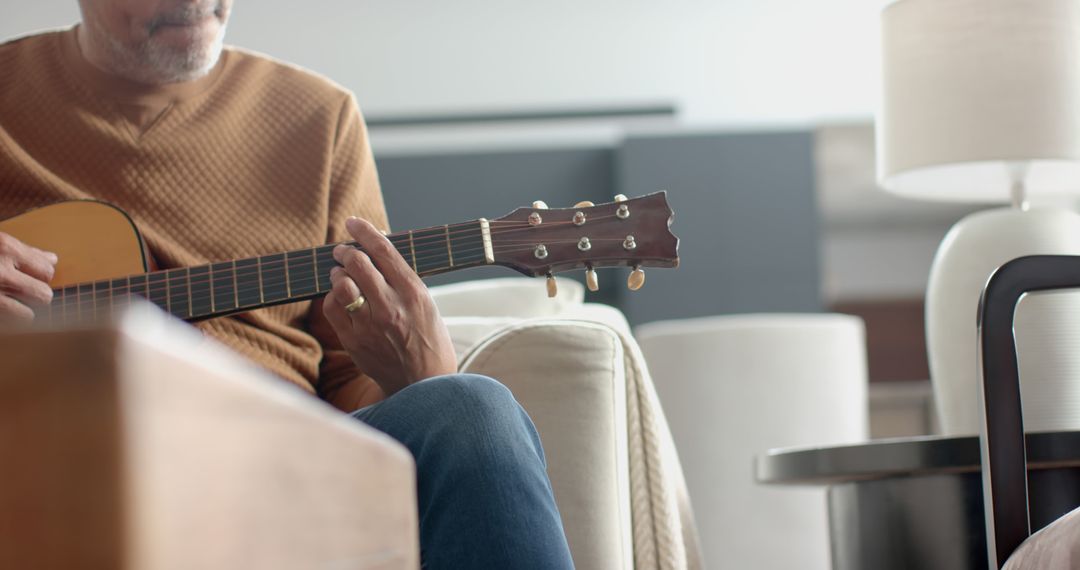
[[257, 157]]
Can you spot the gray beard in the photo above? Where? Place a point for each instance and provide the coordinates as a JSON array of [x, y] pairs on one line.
[[154, 63]]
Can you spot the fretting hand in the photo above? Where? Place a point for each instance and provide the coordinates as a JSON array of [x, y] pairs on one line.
[[25, 272], [383, 314]]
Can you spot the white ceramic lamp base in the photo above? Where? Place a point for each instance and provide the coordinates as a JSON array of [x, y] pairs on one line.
[[1047, 325]]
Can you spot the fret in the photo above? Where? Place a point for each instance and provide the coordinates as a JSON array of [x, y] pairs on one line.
[[259, 269], [248, 284], [468, 247], [235, 289], [315, 267], [224, 286], [84, 301], [324, 262], [285, 262], [158, 289], [179, 293], [102, 297], [274, 279], [434, 255], [137, 286], [69, 310], [412, 251], [449, 252], [202, 302], [300, 268], [120, 298]]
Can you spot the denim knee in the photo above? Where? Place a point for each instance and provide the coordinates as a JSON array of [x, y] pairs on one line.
[[463, 407], [469, 391], [457, 412]]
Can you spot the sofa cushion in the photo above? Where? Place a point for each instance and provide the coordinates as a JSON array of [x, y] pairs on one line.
[[521, 297]]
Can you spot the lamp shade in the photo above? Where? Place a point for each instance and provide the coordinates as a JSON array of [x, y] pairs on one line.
[[978, 95]]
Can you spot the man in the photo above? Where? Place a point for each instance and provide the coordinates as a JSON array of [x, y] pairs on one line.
[[222, 154]]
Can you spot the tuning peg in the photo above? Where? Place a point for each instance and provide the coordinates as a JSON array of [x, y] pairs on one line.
[[621, 198], [585, 204], [591, 281], [636, 279], [552, 286], [540, 205]]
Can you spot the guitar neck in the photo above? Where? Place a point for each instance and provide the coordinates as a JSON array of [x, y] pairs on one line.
[[223, 288]]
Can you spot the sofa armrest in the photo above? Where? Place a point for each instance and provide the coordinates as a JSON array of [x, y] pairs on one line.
[[140, 444], [570, 378]]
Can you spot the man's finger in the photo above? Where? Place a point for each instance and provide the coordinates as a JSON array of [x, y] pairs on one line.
[[36, 263], [25, 288], [340, 295], [395, 269], [28, 259], [359, 267], [12, 310]]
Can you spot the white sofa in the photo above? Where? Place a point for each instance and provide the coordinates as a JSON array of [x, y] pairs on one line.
[[577, 371]]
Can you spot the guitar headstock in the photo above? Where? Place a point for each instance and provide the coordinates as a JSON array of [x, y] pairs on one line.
[[634, 233]]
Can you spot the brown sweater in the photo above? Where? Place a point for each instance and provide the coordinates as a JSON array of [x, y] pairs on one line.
[[257, 157]]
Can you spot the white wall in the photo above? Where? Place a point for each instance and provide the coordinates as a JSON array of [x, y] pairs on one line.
[[722, 61]]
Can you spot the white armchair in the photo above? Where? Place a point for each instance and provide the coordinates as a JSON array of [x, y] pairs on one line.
[[577, 371]]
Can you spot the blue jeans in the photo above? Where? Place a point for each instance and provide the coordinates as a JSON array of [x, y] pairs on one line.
[[484, 496]]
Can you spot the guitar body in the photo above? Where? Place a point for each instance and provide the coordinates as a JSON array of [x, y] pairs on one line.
[[94, 240]]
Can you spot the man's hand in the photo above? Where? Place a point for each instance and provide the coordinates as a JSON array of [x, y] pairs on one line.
[[24, 276], [396, 336]]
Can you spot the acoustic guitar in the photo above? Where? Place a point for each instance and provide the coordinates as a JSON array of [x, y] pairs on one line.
[[104, 262]]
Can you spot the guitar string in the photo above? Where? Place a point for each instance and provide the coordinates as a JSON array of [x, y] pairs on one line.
[[423, 247], [76, 300], [437, 239], [438, 233], [168, 276]]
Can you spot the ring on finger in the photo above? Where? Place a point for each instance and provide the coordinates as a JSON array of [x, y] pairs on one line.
[[356, 304]]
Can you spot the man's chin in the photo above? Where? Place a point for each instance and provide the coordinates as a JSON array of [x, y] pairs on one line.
[[174, 67], [165, 62]]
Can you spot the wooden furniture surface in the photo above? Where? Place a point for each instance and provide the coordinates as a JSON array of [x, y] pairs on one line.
[[138, 444]]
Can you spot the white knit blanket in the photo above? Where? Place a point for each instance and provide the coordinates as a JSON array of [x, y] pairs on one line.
[[665, 535]]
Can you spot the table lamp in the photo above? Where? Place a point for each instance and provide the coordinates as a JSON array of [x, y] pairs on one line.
[[981, 103]]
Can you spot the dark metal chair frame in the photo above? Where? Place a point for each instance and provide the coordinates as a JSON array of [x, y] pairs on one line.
[[1004, 455]]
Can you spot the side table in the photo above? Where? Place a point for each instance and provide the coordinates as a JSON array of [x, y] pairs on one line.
[[917, 502]]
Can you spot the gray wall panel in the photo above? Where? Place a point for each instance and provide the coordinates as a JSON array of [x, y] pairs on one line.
[[744, 203], [746, 214]]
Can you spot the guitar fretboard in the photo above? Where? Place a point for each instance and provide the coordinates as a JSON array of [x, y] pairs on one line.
[[218, 289]]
